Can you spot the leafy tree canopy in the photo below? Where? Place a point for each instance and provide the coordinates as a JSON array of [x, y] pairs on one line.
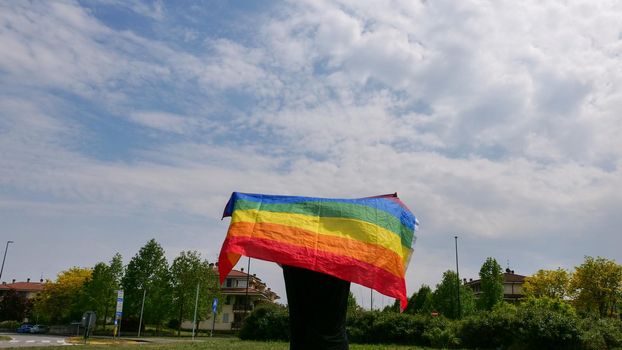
[[100, 289], [14, 306], [148, 271], [64, 300], [445, 297], [353, 306], [491, 279], [597, 284], [548, 283], [187, 273]]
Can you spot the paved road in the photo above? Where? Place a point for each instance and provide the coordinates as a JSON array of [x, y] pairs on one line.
[[24, 340]]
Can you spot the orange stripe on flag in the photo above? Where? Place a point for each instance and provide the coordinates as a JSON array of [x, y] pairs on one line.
[[372, 254]]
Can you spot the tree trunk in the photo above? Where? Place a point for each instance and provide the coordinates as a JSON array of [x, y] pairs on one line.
[[106, 311], [181, 312]]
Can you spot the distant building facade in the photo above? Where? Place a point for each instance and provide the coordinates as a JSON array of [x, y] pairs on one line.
[[27, 289], [234, 304], [512, 286]]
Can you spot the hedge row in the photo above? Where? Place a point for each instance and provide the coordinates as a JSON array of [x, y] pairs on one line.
[[9, 325], [532, 325]]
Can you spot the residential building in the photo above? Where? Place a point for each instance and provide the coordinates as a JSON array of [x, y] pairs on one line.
[[234, 295], [512, 286], [27, 289]]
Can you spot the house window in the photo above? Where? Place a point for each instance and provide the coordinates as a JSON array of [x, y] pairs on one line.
[[228, 300], [229, 282], [225, 318], [242, 283]]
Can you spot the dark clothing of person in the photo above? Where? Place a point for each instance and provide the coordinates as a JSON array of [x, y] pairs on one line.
[[317, 309]]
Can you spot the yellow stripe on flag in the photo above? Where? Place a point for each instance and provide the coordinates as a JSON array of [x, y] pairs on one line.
[[337, 227]]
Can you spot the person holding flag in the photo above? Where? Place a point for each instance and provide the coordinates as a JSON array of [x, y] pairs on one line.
[[323, 244]]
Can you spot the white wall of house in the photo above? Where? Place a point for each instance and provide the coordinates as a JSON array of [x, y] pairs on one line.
[[512, 288], [224, 318]]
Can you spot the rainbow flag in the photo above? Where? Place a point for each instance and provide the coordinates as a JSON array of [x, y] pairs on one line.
[[366, 241]]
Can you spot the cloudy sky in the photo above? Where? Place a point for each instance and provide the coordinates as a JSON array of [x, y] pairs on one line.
[[497, 121]]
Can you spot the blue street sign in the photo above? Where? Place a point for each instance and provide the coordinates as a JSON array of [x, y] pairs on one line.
[[119, 313], [214, 305]]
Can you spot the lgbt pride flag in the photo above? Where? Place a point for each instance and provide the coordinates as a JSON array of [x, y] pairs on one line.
[[366, 241]]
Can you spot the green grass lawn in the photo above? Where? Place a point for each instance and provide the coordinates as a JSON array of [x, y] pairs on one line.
[[223, 344], [4, 338]]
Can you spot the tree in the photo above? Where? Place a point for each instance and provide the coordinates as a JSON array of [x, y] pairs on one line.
[[187, 272], [395, 307], [115, 273], [14, 306], [548, 283], [100, 289], [420, 302], [64, 300], [445, 298], [597, 284], [148, 270], [467, 301], [352, 306], [491, 279]]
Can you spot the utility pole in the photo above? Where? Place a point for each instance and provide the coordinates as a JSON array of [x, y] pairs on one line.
[[142, 308], [196, 306], [3, 259], [248, 276], [457, 278], [371, 299]]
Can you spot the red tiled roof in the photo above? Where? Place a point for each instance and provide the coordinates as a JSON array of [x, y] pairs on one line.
[[24, 286], [251, 291], [507, 278], [510, 277], [236, 273], [240, 291]]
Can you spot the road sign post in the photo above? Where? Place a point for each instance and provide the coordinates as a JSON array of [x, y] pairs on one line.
[[118, 314], [214, 308]]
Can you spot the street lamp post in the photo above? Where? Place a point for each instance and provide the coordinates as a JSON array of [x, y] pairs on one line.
[[142, 308], [371, 299], [3, 259], [248, 276], [458, 277]]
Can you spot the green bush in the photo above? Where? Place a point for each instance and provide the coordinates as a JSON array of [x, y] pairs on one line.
[[359, 326], [495, 329], [605, 333], [535, 324], [394, 328], [441, 332], [419, 324], [373, 327], [10, 325], [266, 322], [548, 324]]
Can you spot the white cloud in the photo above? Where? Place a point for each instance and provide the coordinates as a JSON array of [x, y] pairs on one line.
[[497, 120], [169, 122], [61, 46], [491, 73], [152, 9]]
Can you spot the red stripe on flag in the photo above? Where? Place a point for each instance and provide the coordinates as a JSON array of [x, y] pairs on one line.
[[340, 266]]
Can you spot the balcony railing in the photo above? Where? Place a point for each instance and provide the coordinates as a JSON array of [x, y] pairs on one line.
[[241, 308]]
